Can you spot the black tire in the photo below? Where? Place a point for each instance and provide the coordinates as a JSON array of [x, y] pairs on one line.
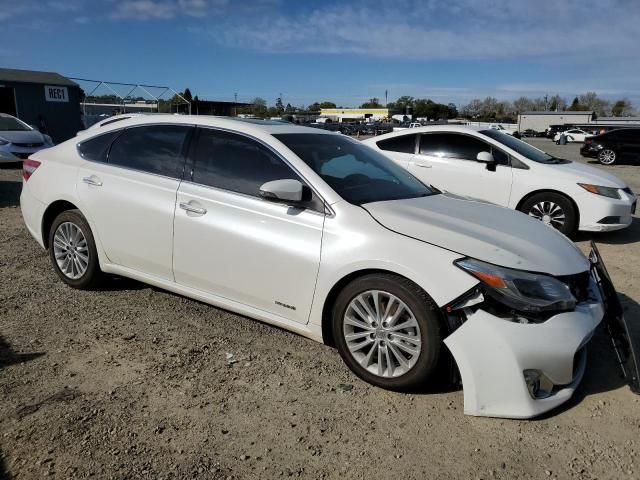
[[570, 222], [424, 311], [92, 276], [607, 156]]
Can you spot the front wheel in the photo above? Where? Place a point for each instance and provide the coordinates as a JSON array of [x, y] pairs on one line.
[[387, 331], [554, 210], [72, 250], [607, 157]]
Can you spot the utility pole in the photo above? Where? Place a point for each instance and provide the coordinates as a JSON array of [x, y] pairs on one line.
[[235, 107], [386, 97]]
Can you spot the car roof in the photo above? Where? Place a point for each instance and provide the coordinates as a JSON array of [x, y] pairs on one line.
[[428, 129], [249, 126]]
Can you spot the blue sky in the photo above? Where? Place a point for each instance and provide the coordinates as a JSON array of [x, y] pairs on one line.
[[346, 52]]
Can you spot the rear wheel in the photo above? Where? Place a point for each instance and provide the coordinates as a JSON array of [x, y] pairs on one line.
[[387, 331], [554, 210], [72, 250], [607, 157]]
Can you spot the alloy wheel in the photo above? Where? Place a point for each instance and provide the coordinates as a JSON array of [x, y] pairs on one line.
[[607, 156], [382, 333], [71, 250], [549, 213]]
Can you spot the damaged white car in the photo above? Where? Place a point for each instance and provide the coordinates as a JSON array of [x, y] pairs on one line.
[[319, 234]]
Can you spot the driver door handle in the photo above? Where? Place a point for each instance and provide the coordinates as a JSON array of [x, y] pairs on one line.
[[92, 180], [192, 208]]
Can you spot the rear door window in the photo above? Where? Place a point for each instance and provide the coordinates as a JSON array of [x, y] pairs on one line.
[[156, 149], [401, 144]]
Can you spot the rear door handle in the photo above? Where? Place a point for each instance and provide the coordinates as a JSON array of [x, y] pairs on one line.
[[92, 180], [421, 162], [193, 209]]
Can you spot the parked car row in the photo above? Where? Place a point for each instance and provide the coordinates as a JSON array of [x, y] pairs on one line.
[[320, 234]]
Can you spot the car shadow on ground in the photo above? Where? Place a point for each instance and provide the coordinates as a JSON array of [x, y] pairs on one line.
[[631, 234], [9, 357], [10, 193], [603, 373]]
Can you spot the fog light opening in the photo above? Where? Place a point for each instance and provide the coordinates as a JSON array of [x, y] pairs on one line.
[[538, 384]]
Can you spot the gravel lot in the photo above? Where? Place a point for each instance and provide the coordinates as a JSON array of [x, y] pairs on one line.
[[134, 382]]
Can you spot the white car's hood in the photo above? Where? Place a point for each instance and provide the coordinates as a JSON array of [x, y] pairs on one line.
[[22, 136], [483, 231], [581, 173]]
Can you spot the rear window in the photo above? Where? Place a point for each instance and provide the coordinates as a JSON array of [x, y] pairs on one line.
[[96, 148]]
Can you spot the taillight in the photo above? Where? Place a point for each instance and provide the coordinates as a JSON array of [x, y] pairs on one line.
[[588, 141], [28, 167]]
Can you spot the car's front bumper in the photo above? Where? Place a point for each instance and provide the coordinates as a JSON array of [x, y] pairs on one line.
[[603, 214], [14, 153], [492, 354]]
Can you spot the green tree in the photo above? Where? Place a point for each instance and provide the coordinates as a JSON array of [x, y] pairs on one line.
[[187, 95], [622, 108], [372, 103], [279, 107]]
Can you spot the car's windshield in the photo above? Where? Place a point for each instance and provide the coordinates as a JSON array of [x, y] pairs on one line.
[[10, 123], [356, 172], [523, 148]]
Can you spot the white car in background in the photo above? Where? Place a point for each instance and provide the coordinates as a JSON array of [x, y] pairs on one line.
[[573, 135], [19, 140], [316, 233], [488, 165]]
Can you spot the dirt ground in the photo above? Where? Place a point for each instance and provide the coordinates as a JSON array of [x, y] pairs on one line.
[[134, 382]]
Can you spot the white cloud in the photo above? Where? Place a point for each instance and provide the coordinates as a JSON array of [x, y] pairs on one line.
[[144, 10], [458, 29]]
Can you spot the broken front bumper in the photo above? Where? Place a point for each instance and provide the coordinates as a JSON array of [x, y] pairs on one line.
[[497, 358]]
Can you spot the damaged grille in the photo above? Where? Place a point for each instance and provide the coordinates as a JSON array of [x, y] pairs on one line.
[[578, 284]]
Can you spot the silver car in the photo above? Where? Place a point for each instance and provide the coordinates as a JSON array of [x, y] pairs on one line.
[[19, 140]]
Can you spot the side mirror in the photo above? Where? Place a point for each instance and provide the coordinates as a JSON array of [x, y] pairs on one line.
[[283, 191], [484, 157]]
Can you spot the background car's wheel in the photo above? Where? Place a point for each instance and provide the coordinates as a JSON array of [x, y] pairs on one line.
[[607, 157], [387, 331], [73, 251], [552, 209]]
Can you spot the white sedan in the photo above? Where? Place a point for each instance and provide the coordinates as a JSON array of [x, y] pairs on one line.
[[488, 165], [573, 135], [19, 140], [316, 233]]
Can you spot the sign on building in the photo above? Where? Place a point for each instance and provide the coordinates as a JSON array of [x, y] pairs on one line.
[[56, 94]]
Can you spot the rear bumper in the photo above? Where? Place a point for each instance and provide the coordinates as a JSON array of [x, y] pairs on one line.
[[492, 354], [32, 213]]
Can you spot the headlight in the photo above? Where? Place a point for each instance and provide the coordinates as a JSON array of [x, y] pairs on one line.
[[611, 192], [3, 141], [521, 291]]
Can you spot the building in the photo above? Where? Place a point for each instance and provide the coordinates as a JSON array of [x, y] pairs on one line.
[[45, 100], [345, 115], [540, 121], [621, 121]]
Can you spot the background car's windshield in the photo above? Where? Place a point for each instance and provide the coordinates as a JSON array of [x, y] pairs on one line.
[[356, 172], [519, 146], [10, 123]]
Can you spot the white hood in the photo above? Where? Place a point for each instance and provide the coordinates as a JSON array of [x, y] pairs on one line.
[[483, 231], [579, 172]]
